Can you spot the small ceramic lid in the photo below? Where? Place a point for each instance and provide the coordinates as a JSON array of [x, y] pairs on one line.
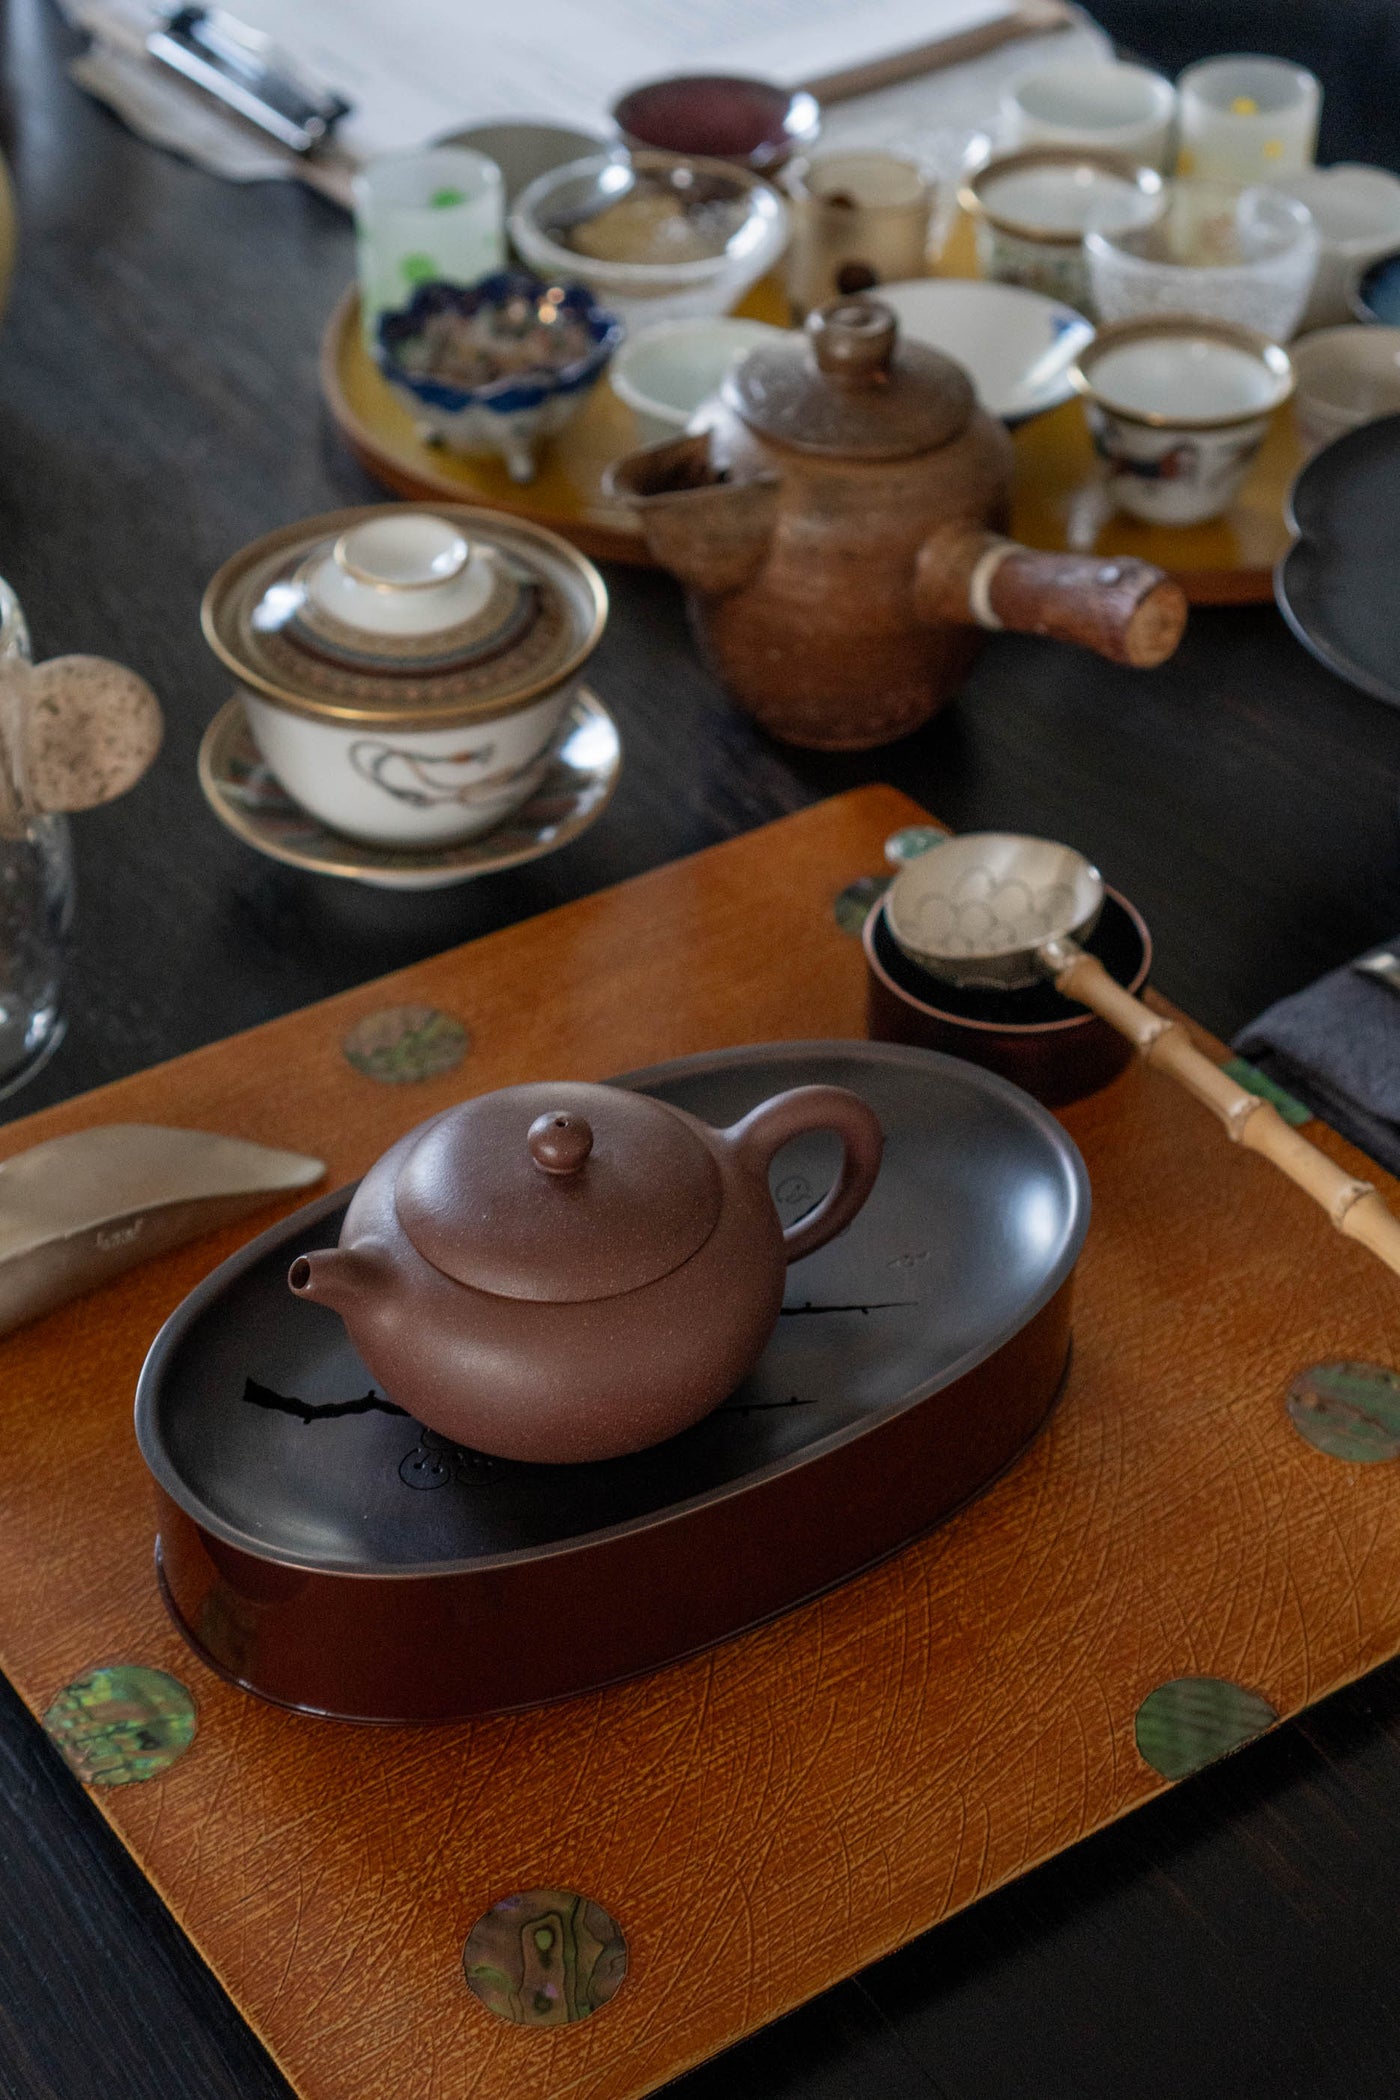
[[559, 1194], [405, 618], [852, 388]]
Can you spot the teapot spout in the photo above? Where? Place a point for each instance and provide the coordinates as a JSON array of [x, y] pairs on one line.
[[340, 1277], [710, 530]]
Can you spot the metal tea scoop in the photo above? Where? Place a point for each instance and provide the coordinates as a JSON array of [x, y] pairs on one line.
[[999, 911]]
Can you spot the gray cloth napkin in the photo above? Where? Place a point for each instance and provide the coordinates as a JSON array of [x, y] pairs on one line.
[[1336, 1046]]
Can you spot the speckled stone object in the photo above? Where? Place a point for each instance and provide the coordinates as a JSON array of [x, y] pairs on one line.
[[91, 730]]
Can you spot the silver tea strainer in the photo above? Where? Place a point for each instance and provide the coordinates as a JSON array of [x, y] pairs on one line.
[[1000, 911]]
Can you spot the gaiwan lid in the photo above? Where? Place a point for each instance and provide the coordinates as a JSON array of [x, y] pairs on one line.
[[559, 1193], [852, 388], [402, 618]]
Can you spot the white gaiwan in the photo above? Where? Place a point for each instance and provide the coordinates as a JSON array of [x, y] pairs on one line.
[[405, 672]]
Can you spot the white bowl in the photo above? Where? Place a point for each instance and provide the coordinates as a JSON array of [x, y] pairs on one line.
[[1346, 377], [1178, 407], [664, 373], [1017, 346]]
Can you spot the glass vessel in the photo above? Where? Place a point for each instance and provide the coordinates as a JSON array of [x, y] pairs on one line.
[[36, 882], [1242, 255]]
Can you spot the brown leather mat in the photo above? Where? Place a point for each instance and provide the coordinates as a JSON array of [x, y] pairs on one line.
[[766, 1818]]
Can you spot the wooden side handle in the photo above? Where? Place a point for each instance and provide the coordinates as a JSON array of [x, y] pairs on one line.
[[1354, 1207], [1127, 610]]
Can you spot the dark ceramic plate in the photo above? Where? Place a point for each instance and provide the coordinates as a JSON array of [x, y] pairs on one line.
[[1338, 586], [283, 1472]]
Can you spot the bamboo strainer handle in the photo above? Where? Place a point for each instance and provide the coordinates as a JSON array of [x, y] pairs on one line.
[[1354, 1207]]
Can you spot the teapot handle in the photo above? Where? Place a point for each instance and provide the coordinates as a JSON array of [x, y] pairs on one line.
[[768, 1128], [1125, 609]]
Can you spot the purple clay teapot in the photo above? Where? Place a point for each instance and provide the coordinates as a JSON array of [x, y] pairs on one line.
[[567, 1272]]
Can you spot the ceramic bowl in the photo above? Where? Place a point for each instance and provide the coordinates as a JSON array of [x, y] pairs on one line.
[[1346, 377], [1356, 211], [1178, 407], [1109, 107], [665, 372], [405, 672], [1018, 346], [1242, 255], [1032, 210], [516, 404], [721, 116], [657, 236]]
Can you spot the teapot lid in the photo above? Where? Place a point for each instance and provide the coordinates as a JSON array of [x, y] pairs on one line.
[[852, 388], [559, 1193]]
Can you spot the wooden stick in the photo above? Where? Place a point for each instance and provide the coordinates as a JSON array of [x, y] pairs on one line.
[[1355, 1207]]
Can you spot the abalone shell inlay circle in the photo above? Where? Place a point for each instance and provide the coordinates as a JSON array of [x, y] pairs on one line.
[[122, 1723], [1351, 1411], [402, 1044], [545, 1958], [1189, 1722]]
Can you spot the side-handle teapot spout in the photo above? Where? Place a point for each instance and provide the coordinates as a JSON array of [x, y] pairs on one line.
[[836, 514], [709, 527]]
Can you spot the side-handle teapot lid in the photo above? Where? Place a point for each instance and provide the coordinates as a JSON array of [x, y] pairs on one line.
[[559, 1193], [852, 387]]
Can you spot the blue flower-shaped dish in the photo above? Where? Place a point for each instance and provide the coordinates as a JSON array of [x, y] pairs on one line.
[[497, 366]]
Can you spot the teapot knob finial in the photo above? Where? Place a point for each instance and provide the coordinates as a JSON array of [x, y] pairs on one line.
[[853, 340], [559, 1142]]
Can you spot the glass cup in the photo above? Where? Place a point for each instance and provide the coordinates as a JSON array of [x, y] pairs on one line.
[[36, 882], [858, 220], [421, 216], [1247, 119], [1241, 255]]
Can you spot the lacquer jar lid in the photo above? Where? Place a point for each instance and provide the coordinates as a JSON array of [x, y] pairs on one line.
[[391, 617]]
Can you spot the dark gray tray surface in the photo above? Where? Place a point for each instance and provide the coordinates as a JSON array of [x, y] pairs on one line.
[[1338, 586], [259, 1417]]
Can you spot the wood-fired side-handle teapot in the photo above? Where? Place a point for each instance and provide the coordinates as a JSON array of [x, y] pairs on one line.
[[835, 518]]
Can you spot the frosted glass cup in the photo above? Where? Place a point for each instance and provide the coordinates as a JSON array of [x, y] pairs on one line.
[[425, 216], [1242, 255], [1247, 119]]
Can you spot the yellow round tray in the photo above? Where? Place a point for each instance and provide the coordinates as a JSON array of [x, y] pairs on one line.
[[1058, 501]]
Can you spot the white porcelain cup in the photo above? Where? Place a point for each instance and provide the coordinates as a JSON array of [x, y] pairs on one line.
[[1118, 108], [1346, 377], [1247, 119], [425, 216], [396, 577], [1356, 211], [1177, 409]]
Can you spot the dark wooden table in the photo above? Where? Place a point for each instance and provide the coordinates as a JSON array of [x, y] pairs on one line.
[[158, 408]]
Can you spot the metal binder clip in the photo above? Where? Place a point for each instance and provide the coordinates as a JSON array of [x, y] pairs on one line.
[[245, 70]]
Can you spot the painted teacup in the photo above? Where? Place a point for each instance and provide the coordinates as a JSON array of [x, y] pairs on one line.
[[1178, 407]]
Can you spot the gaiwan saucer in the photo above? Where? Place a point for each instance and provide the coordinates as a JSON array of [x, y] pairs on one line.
[[575, 791]]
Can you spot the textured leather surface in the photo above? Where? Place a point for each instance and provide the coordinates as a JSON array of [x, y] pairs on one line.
[[768, 1817]]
